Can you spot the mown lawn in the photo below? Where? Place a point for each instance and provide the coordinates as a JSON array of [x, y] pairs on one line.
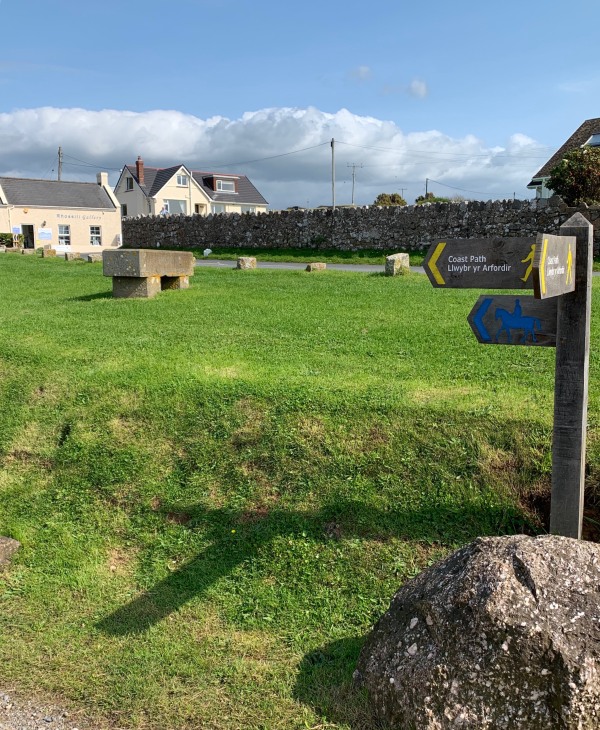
[[218, 491]]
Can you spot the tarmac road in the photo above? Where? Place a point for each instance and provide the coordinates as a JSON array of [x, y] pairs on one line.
[[364, 268]]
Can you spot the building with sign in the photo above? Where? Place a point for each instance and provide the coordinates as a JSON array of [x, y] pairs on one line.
[[176, 190], [68, 216], [588, 134]]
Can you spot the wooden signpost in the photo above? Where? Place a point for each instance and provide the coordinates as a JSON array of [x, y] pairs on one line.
[[559, 270]]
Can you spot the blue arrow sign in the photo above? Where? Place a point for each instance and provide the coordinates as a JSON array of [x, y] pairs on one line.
[[478, 314], [514, 320]]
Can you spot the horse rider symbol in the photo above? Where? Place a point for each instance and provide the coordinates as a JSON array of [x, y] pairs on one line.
[[516, 321]]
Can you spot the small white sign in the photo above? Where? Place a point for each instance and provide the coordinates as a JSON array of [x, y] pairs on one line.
[[16, 230], [44, 234]]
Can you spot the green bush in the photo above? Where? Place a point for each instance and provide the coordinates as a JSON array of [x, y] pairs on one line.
[[576, 178]]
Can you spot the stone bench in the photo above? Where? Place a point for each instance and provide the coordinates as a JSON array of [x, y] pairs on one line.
[[142, 273]]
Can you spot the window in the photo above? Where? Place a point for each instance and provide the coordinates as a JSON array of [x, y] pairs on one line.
[[64, 235], [182, 180], [248, 209], [128, 183], [95, 236], [176, 207], [593, 141], [226, 186], [218, 208], [123, 210]]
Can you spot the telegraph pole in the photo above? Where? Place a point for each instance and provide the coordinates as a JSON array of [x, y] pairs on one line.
[[333, 173], [353, 165], [60, 163]]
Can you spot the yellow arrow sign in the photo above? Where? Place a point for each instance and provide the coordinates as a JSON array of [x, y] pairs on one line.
[[433, 261], [554, 266]]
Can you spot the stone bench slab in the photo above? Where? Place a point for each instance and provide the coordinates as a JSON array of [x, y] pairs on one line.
[[141, 263]]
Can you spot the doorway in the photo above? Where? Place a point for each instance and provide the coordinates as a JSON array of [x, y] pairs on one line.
[[28, 239]]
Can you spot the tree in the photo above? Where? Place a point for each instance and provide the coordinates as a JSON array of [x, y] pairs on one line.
[[576, 178], [430, 198], [389, 199]]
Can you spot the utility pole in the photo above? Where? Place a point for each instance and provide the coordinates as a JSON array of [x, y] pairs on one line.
[[402, 192], [353, 165], [60, 163], [426, 184], [333, 173]]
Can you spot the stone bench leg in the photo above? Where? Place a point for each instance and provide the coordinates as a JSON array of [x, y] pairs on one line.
[[175, 282], [136, 287]]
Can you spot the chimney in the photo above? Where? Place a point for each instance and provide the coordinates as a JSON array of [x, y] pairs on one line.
[[139, 169], [102, 179]]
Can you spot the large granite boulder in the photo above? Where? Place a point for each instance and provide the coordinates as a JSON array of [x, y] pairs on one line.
[[504, 633]]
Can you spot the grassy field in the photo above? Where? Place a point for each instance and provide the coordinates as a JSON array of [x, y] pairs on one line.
[[218, 491]]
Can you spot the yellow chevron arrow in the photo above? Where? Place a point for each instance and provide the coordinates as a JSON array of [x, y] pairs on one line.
[[543, 266], [433, 261]]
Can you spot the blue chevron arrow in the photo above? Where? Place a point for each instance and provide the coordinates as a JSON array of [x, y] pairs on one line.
[[478, 319]]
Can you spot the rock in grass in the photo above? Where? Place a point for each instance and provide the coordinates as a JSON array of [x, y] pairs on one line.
[[246, 262], [504, 633], [8, 547], [397, 264], [316, 266]]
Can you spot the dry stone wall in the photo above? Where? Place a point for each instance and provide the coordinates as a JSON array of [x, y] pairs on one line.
[[385, 229]]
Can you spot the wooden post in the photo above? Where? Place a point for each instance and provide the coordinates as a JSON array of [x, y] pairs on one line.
[[571, 387]]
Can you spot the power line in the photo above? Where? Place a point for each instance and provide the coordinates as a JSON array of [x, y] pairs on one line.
[[271, 157], [83, 163], [433, 152], [464, 190]]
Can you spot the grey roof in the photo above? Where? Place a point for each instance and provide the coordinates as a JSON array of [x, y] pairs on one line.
[[55, 194], [156, 177], [577, 139], [246, 192]]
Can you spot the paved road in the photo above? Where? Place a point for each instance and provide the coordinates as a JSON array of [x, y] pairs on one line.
[[366, 268]]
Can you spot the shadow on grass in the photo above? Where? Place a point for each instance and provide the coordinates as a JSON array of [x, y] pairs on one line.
[[238, 536], [92, 297], [324, 683]]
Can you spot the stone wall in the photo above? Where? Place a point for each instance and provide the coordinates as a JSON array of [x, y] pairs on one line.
[[385, 229]]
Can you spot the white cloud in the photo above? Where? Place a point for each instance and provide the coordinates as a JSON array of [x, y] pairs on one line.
[[391, 158], [418, 88], [361, 73]]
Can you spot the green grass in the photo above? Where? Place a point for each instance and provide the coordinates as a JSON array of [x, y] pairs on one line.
[[219, 490], [308, 255]]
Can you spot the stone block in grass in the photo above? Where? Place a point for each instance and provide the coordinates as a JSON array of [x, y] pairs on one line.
[[246, 262], [397, 264], [317, 266]]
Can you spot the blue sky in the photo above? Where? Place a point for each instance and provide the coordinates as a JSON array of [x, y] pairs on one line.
[[475, 96]]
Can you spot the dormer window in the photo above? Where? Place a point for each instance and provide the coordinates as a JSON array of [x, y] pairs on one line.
[[128, 183], [183, 180], [593, 141], [225, 186]]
